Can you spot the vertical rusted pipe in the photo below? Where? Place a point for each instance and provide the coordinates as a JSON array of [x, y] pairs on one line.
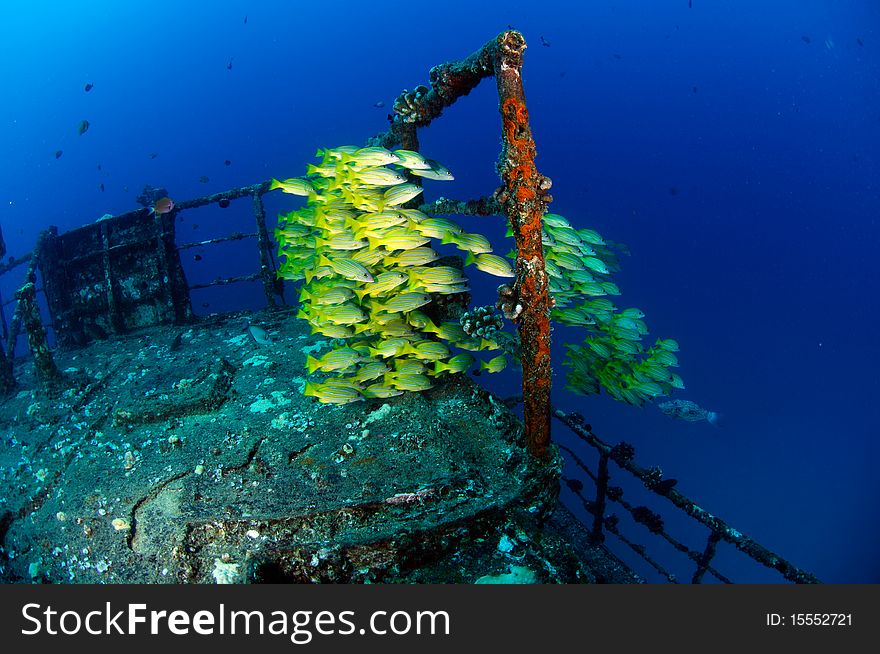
[[523, 197]]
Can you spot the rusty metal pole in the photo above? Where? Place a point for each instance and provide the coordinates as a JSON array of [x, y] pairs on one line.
[[44, 365], [524, 199]]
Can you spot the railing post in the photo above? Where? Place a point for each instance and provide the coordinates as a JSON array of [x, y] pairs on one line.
[[267, 275], [524, 200], [706, 558], [44, 365], [596, 535]]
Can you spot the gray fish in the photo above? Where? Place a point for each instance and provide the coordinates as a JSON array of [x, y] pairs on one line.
[[260, 335], [687, 410]]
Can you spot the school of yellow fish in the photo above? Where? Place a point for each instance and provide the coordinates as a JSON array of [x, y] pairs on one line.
[[367, 265], [579, 263]]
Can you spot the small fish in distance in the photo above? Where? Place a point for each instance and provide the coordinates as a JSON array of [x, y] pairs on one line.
[[88, 87], [689, 411], [229, 65], [162, 205], [58, 153], [545, 42], [83, 127]]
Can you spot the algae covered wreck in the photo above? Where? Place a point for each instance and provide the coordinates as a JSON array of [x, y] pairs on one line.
[[191, 455]]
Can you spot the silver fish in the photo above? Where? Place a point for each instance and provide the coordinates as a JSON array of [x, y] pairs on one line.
[[687, 410]]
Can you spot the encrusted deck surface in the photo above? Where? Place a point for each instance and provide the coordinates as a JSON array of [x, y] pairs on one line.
[[189, 454]]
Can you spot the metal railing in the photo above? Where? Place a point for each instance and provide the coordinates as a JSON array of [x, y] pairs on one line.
[[622, 454]]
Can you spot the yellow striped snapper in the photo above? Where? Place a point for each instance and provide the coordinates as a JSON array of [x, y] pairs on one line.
[[409, 366], [333, 393], [378, 177], [402, 303], [427, 350], [596, 264], [436, 171], [338, 359], [458, 363], [395, 328], [369, 257], [364, 199], [331, 331], [494, 365], [294, 186], [610, 288], [555, 220], [389, 348], [343, 241], [415, 257], [435, 275], [590, 236], [339, 314], [347, 268], [336, 153], [436, 227], [324, 170], [375, 220], [490, 263], [370, 156], [411, 160], [566, 260], [446, 289], [400, 194], [413, 215], [385, 281], [398, 238], [408, 381], [476, 345], [382, 391], [335, 295], [420, 321], [370, 371], [475, 243], [566, 235], [317, 273], [451, 331]]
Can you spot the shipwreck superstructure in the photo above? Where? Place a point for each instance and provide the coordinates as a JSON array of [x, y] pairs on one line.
[[146, 444]]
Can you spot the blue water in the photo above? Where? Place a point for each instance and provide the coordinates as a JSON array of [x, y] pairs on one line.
[[733, 146]]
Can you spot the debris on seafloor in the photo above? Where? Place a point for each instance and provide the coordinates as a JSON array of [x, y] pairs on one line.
[[150, 469]]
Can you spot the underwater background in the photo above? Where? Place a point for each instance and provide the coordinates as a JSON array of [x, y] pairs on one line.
[[732, 146]]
